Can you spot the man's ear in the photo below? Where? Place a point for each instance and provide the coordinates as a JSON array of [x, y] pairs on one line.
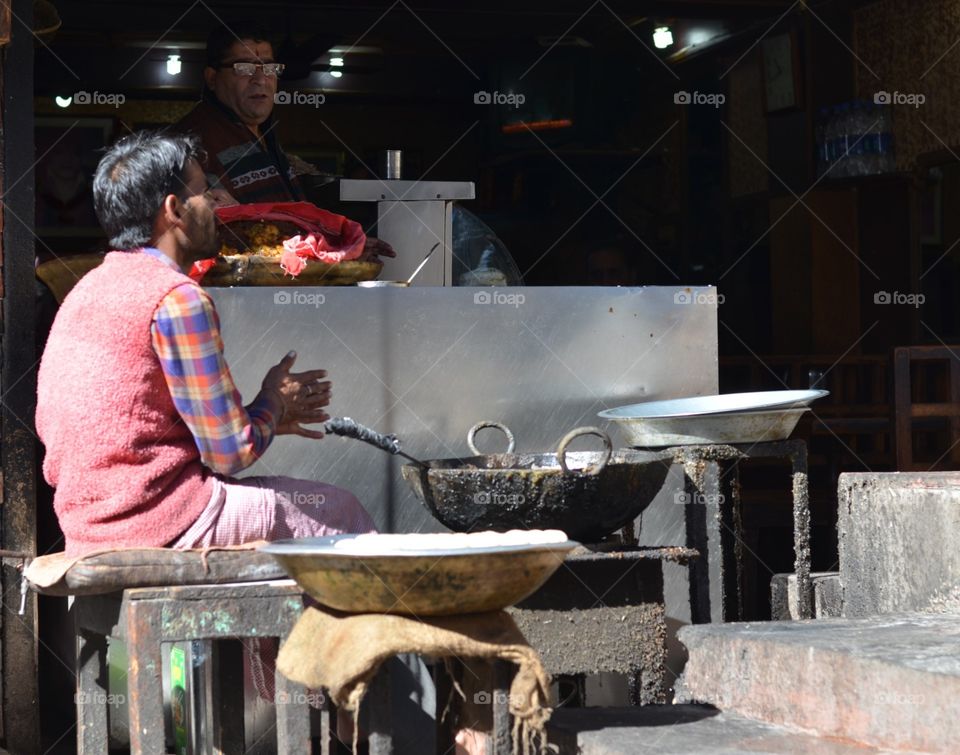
[[171, 211], [210, 76]]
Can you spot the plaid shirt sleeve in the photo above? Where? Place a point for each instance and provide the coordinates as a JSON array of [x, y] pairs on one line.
[[186, 337]]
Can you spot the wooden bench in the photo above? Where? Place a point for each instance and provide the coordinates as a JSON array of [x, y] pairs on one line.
[[147, 597]]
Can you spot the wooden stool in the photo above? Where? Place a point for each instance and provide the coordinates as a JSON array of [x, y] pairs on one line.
[[148, 596], [144, 618]]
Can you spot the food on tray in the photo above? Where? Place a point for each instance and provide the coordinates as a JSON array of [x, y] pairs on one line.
[[371, 544], [255, 237], [289, 234]]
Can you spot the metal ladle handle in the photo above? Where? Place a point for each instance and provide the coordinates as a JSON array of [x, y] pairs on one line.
[[472, 433], [349, 428], [566, 440]]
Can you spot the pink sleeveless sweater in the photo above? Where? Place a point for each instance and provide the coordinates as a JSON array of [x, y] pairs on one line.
[[126, 468]]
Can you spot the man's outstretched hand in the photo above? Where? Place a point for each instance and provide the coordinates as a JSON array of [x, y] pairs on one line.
[[301, 396]]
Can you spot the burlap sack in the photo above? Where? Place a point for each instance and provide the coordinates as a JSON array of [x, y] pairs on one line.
[[342, 652]]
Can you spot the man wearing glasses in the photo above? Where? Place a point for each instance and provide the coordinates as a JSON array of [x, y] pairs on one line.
[[234, 119], [235, 123]]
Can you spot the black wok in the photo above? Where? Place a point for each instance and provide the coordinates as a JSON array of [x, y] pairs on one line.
[[588, 495]]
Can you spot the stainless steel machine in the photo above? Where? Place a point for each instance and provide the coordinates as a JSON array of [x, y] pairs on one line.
[[412, 216]]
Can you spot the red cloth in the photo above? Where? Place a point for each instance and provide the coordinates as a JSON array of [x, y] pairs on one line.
[[125, 467], [326, 236]]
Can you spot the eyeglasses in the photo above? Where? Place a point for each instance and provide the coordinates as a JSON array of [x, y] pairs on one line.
[[248, 69]]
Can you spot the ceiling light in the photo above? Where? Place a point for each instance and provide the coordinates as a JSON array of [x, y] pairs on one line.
[[336, 74], [699, 37], [662, 37], [336, 62], [63, 101], [173, 65]]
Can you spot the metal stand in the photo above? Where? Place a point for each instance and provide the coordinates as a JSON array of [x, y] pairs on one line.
[[603, 611], [714, 525]]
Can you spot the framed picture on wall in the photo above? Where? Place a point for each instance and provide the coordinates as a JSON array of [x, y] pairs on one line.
[[68, 151], [5, 23], [781, 72]]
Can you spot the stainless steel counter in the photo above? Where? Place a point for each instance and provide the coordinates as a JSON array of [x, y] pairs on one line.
[[427, 363]]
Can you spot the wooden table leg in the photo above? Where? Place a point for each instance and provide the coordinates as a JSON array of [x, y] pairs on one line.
[[144, 679], [378, 698], [91, 694], [293, 716], [502, 739]]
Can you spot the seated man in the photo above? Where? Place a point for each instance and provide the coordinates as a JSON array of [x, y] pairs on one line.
[[141, 420], [138, 411]]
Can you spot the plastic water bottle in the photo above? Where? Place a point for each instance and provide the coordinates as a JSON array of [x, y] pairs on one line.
[[870, 152], [858, 136], [834, 144], [887, 157], [823, 151], [844, 142]]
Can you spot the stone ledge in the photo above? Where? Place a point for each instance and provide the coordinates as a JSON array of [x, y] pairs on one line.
[[885, 681], [681, 730]]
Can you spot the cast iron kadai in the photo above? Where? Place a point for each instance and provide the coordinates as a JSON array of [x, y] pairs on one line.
[[587, 494]]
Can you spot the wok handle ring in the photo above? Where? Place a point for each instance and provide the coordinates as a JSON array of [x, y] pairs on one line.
[[472, 433], [591, 470]]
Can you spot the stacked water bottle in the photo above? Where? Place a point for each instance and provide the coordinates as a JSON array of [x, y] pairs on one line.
[[855, 139]]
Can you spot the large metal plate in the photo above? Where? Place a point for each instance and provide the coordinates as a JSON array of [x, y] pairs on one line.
[[435, 582], [427, 363], [327, 546], [710, 429], [723, 404]]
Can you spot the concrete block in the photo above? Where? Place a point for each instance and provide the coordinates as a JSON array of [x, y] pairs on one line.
[[888, 681], [623, 639], [680, 730], [899, 542], [827, 596]]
